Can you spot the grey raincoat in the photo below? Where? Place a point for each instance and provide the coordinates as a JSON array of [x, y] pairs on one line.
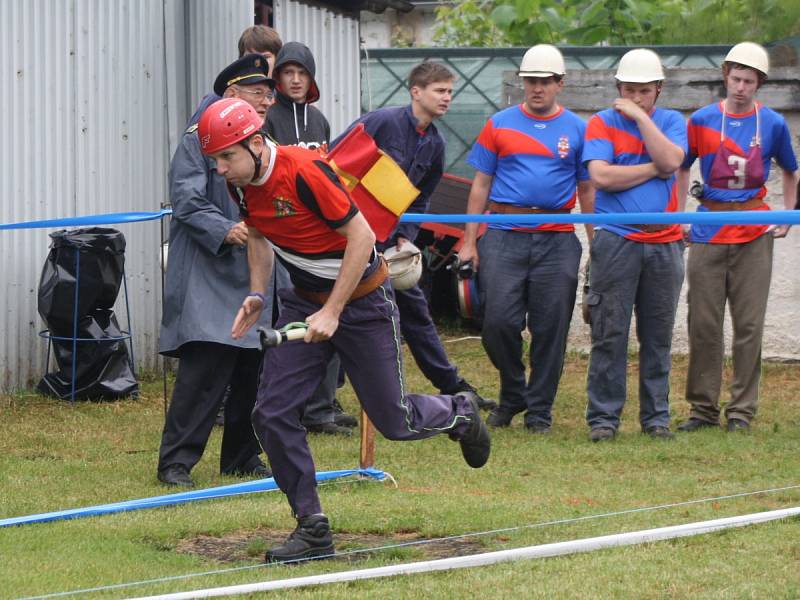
[[206, 278]]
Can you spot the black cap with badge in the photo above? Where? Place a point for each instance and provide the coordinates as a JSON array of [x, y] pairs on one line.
[[248, 70]]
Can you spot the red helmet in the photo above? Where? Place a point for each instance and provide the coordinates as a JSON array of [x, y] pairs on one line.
[[225, 123]]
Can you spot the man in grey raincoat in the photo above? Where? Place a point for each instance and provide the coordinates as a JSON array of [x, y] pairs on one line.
[[207, 279]]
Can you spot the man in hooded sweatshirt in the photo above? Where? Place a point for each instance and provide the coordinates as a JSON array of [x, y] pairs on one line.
[[292, 121]]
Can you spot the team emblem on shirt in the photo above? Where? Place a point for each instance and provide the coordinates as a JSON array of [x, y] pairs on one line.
[[563, 146], [283, 207]]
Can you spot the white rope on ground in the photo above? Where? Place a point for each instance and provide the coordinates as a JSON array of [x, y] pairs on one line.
[[492, 558], [462, 339], [540, 524]]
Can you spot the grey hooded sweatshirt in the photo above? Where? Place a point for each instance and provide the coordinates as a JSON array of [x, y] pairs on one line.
[[297, 123]]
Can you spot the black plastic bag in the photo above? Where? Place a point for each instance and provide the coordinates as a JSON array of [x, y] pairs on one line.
[[103, 369], [102, 260]]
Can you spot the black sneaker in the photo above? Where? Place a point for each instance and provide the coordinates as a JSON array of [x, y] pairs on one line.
[[311, 539], [177, 475], [341, 418], [602, 434], [475, 442], [693, 424], [329, 429], [464, 386]]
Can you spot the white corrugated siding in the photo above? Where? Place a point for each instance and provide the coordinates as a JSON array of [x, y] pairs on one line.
[[93, 101], [214, 27], [334, 40]]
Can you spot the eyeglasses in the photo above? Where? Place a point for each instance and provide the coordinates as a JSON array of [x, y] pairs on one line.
[[260, 95]]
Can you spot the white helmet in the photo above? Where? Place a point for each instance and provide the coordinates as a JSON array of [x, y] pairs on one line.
[[543, 60], [405, 265], [750, 55], [640, 66]]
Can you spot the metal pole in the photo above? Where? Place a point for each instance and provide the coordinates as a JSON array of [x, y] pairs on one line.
[[75, 323]]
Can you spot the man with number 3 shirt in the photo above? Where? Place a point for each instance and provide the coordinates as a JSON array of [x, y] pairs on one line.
[[735, 140]]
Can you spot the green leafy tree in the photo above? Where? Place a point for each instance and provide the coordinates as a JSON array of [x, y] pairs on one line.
[[615, 22], [467, 23]]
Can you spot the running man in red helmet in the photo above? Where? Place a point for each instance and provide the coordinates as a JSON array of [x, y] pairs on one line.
[[295, 205]]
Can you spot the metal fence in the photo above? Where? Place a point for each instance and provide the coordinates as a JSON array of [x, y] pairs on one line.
[[478, 92]]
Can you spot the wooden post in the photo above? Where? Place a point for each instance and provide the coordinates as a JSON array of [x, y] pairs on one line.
[[367, 458]]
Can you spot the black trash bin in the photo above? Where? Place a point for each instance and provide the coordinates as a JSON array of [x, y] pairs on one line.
[[79, 283]]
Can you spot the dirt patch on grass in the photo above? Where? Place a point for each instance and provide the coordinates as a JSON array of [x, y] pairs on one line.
[[249, 546]]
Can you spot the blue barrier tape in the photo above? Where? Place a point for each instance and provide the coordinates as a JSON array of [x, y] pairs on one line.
[[751, 217], [237, 489], [108, 219]]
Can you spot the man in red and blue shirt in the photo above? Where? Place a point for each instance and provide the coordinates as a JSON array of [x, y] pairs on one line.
[[297, 207], [528, 161], [632, 151], [735, 140]]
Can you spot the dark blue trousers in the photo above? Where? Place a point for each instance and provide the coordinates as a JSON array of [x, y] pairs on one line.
[[528, 279], [419, 332], [368, 343]]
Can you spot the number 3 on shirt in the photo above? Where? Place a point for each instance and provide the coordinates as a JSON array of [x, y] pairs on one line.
[[738, 164]]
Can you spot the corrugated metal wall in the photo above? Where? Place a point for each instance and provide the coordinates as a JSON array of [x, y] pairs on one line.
[[334, 40], [94, 97]]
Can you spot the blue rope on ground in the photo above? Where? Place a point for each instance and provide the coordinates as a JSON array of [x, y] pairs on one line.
[[237, 489], [752, 217]]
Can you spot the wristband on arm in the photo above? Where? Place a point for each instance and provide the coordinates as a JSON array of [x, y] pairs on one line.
[[258, 295]]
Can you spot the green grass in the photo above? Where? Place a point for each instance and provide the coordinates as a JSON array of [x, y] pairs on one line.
[[55, 456]]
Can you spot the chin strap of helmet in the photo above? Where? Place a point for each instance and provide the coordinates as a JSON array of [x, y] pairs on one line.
[[256, 159]]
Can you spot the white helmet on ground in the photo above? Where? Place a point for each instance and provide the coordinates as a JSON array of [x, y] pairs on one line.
[[751, 55], [405, 265], [542, 60], [640, 66]]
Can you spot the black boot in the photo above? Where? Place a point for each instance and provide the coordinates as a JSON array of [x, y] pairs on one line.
[[475, 442], [464, 386], [311, 539]]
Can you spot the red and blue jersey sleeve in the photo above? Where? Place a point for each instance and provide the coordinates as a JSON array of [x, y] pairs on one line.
[[534, 162], [483, 155], [615, 139]]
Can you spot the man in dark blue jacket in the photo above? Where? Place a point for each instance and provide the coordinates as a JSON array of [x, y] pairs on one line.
[[409, 136]]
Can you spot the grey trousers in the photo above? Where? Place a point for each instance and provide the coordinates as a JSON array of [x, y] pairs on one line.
[[739, 274], [628, 276]]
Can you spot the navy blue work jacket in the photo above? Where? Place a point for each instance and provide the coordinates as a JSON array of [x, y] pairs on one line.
[[420, 155]]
